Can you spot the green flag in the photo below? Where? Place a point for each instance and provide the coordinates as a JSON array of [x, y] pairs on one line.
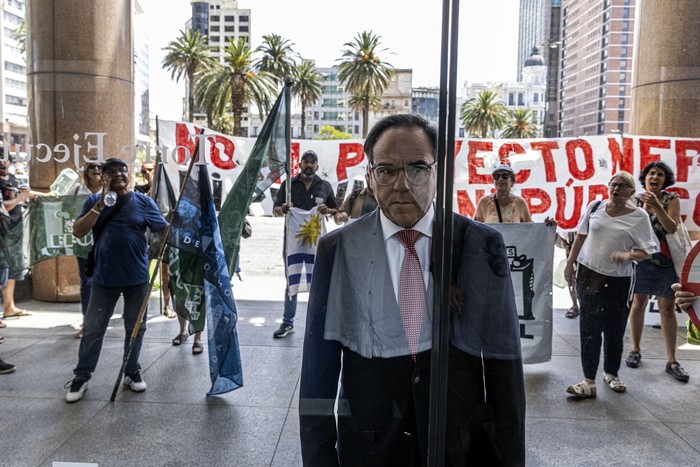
[[265, 164], [51, 220], [14, 246]]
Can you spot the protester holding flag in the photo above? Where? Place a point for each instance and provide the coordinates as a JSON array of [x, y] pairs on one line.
[[611, 236], [92, 183], [120, 268], [308, 190], [656, 274]]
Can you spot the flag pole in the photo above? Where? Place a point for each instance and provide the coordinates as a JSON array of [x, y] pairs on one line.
[[144, 303], [288, 136], [437, 419]]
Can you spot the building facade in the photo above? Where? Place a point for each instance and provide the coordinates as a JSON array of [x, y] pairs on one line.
[[141, 76], [596, 66], [396, 98], [333, 109], [13, 86], [425, 101]]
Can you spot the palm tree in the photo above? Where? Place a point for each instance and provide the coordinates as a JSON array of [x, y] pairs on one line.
[[236, 84], [483, 114], [364, 74], [306, 89], [187, 55], [277, 58], [522, 124]]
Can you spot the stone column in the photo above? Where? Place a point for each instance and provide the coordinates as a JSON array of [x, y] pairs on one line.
[[80, 80], [666, 89]]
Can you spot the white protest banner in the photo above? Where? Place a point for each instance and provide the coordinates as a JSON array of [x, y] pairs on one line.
[[530, 249], [557, 177]]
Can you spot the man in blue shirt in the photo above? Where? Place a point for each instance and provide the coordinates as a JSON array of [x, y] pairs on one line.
[[121, 268]]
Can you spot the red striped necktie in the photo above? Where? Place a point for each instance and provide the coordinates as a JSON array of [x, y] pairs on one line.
[[411, 290]]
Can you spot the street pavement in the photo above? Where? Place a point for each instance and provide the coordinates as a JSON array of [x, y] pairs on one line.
[[174, 423]]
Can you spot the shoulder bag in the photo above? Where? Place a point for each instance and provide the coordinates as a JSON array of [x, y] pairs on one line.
[[89, 268]]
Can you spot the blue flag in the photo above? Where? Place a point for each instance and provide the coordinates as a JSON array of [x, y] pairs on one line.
[[195, 232]]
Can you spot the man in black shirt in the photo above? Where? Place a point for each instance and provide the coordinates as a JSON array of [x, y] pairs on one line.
[[308, 190]]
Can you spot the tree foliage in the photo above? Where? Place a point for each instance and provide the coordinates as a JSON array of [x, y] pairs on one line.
[[278, 57], [185, 56], [329, 132], [235, 85], [484, 114], [307, 89], [364, 74], [522, 124]]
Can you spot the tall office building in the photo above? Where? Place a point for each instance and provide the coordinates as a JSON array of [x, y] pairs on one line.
[[333, 109], [13, 85], [596, 66], [141, 76], [540, 27], [221, 21]]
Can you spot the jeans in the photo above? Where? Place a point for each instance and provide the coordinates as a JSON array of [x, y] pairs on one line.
[[100, 309], [604, 307], [290, 308], [85, 283]]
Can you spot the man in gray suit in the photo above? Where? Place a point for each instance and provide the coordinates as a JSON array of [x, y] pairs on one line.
[[370, 313]]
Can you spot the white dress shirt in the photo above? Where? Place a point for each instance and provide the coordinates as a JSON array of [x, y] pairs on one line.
[[395, 250]]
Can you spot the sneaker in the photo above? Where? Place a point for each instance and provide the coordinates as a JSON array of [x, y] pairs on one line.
[[77, 386], [633, 359], [677, 372], [135, 382], [283, 331], [6, 368]]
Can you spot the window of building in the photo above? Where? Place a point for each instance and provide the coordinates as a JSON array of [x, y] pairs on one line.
[[621, 103], [243, 19], [624, 38], [621, 116], [14, 100], [229, 18], [405, 103], [15, 68], [230, 28], [315, 128], [15, 3], [214, 38], [511, 98], [243, 28], [623, 64], [10, 18], [623, 52], [357, 129], [214, 18], [521, 99], [214, 29], [461, 133], [15, 84], [315, 117], [536, 97], [625, 25], [623, 77], [626, 13]]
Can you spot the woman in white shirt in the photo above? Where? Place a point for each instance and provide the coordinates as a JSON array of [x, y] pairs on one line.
[[611, 237]]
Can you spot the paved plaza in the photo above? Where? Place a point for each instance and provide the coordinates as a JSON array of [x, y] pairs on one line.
[[173, 423]]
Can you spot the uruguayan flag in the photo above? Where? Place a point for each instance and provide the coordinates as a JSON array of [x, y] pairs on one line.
[[304, 228]]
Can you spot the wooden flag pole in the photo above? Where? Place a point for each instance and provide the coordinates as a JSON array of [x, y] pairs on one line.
[[144, 303]]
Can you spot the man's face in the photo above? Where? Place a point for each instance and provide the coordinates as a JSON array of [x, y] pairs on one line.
[[401, 202], [4, 165], [308, 168], [118, 178]]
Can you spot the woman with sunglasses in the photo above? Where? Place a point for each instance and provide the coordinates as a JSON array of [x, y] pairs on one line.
[[502, 206], [656, 275], [611, 236], [92, 183]]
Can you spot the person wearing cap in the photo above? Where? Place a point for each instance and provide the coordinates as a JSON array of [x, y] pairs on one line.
[[121, 268], [503, 206], [147, 171], [308, 190]]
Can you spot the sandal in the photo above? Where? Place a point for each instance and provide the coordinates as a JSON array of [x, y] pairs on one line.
[[676, 370], [572, 313], [2, 339], [614, 383], [584, 390], [633, 359], [2, 325], [180, 338], [17, 314], [169, 313], [197, 348]]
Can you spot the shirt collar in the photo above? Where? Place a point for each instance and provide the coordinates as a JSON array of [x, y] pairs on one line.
[[424, 225]]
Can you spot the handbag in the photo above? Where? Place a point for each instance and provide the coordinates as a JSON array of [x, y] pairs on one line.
[[679, 245], [89, 268]]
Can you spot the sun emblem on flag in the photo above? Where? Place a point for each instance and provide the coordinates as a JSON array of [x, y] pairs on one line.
[[310, 230]]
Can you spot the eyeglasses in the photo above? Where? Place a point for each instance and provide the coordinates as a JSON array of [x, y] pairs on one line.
[[503, 175], [94, 167], [114, 170], [416, 174], [621, 186]]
